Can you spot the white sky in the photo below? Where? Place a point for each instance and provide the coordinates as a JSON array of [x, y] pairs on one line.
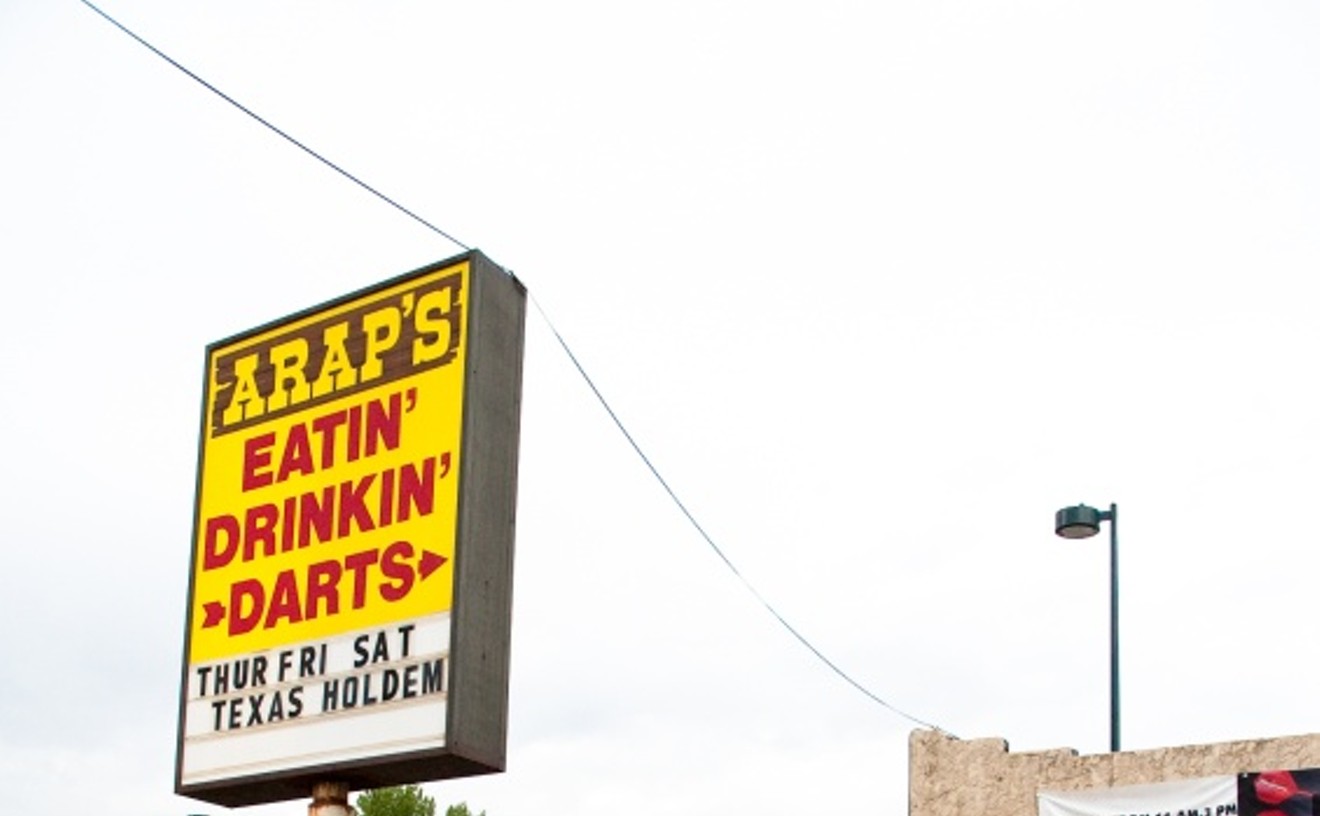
[[878, 286]]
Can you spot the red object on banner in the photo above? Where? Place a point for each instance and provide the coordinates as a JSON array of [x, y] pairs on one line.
[[1273, 787]]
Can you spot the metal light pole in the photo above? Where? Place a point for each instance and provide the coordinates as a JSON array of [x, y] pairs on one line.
[[1083, 522]]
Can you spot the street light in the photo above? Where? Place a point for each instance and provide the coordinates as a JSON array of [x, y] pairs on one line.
[[1083, 522]]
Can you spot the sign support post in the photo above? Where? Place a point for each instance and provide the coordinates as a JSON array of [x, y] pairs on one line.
[[329, 799]]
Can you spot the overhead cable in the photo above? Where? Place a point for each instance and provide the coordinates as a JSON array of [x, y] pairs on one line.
[[322, 159], [562, 344]]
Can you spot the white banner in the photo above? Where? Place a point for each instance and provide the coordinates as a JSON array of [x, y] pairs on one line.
[[1211, 796]]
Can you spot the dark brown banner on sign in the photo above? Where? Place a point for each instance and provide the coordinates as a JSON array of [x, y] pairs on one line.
[[338, 355]]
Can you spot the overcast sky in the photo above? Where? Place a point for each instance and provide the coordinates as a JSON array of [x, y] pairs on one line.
[[878, 286]]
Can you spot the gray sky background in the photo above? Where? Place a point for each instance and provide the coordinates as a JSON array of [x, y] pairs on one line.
[[878, 286]]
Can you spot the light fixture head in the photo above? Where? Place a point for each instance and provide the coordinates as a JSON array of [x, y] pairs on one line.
[[1077, 522]]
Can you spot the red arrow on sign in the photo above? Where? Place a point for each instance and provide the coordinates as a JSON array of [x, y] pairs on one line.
[[429, 563], [215, 612]]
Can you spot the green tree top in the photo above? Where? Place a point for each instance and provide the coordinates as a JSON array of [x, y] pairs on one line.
[[401, 800], [405, 800]]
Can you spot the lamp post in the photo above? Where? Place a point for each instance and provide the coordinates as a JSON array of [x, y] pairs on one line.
[[1083, 522]]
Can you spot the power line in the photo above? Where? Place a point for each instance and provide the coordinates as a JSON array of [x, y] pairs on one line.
[[567, 351], [696, 525], [322, 159]]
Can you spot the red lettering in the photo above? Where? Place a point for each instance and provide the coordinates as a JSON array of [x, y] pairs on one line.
[[259, 528], [297, 456], [353, 506], [284, 601], [326, 426], [367, 430], [215, 555], [417, 490], [287, 527], [384, 426], [395, 565], [354, 432], [358, 563], [316, 517], [385, 515], [323, 585], [299, 595], [246, 593], [256, 454]]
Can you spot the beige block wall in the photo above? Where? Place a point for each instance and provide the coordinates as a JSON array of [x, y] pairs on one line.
[[953, 777]]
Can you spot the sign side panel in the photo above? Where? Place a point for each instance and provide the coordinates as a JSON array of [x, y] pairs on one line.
[[484, 595]]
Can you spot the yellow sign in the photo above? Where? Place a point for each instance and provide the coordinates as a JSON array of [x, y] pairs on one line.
[[328, 495], [350, 598]]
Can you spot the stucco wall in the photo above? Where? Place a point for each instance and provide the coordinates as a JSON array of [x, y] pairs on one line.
[[952, 777]]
